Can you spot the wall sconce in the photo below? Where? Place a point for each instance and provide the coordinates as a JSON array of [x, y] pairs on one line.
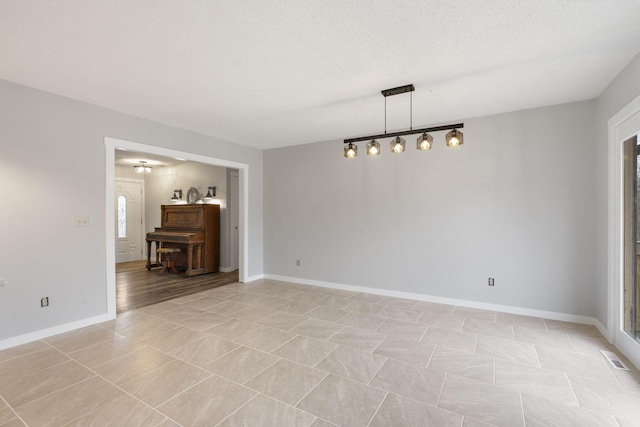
[[142, 168], [211, 193]]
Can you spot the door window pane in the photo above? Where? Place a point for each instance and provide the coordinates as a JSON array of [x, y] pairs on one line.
[[122, 217]]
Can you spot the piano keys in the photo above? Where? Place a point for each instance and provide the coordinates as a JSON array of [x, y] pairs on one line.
[[195, 229]]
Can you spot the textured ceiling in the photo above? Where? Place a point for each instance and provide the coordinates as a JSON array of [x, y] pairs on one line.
[[282, 72]]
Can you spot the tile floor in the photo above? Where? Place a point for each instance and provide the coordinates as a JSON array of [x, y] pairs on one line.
[[271, 353]]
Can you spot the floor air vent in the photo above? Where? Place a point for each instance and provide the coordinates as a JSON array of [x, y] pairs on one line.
[[614, 361]]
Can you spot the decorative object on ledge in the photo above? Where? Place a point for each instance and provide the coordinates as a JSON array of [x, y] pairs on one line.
[[211, 193], [454, 138], [142, 168], [177, 197], [194, 196]]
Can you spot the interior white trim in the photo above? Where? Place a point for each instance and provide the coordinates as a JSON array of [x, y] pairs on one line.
[[618, 133], [49, 332], [111, 144], [451, 301]]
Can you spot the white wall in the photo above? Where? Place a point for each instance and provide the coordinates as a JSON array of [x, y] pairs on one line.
[[52, 168], [516, 203]]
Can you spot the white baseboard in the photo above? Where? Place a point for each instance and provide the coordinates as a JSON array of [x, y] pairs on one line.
[[60, 329], [226, 269], [451, 301], [253, 278]]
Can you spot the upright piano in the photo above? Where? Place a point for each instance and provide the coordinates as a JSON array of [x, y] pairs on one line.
[[195, 230]]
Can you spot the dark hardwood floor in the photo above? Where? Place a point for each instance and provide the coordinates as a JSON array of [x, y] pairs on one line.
[[136, 287]]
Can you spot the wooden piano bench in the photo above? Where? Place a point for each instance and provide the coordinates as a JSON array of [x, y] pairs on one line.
[[167, 262]]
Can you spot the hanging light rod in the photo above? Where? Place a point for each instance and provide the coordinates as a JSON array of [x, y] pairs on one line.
[[398, 90], [404, 132]]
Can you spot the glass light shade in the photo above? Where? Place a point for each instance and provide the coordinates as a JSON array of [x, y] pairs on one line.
[[454, 138], [142, 168], [350, 151], [424, 142], [373, 148], [397, 144]]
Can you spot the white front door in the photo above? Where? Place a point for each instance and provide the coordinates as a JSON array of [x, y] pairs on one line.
[[234, 218], [128, 214]]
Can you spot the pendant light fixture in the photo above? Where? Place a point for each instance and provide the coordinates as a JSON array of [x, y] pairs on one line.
[[373, 148], [142, 168], [424, 142]]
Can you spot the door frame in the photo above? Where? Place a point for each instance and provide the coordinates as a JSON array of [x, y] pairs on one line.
[[111, 144], [622, 126], [143, 246], [230, 220]]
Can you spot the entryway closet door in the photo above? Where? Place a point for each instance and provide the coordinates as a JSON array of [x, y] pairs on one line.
[[128, 216]]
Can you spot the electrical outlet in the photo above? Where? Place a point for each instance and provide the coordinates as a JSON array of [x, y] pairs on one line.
[[82, 221], [44, 302], [298, 262], [491, 281]]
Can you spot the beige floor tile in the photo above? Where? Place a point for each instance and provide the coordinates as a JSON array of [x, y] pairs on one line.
[[352, 363], [607, 398], [264, 411], [105, 351], [482, 327], [443, 321], [540, 412], [246, 297], [591, 345], [242, 364], [232, 329], [180, 313], [464, 364], [284, 321], [481, 401], [165, 382], [159, 308], [174, 339], [433, 308], [208, 403], [557, 340], [405, 349], [552, 385], [399, 302], [402, 314], [253, 314], [296, 307], [203, 302], [11, 370], [286, 381], [361, 321], [523, 321], [399, 328], [343, 402], [227, 308], [75, 340], [69, 404], [22, 350], [512, 351], [322, 423], [334, 302], [265, 339], [38, 383], [365, 307], [168, 423], [338, 292], [327, 314], [399, 411], [133, 365], [572, 328], [465, 341], [203, 352], [475, 314], [188, 298], [360, 296], [124, 411], [146, 330], [13, 423], [409, 380], [318, 329], [358, 338], [307, 297], [204, 321], [471, 422], [305, 350], [270, 302], [6, 414], [594, 367], [126, 320]]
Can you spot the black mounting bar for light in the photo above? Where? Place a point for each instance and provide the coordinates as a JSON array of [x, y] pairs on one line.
[[404, 132], [397, 91]]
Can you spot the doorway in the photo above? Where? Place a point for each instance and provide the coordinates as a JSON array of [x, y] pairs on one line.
[[630, 294], [234, 219], [129, 213]]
